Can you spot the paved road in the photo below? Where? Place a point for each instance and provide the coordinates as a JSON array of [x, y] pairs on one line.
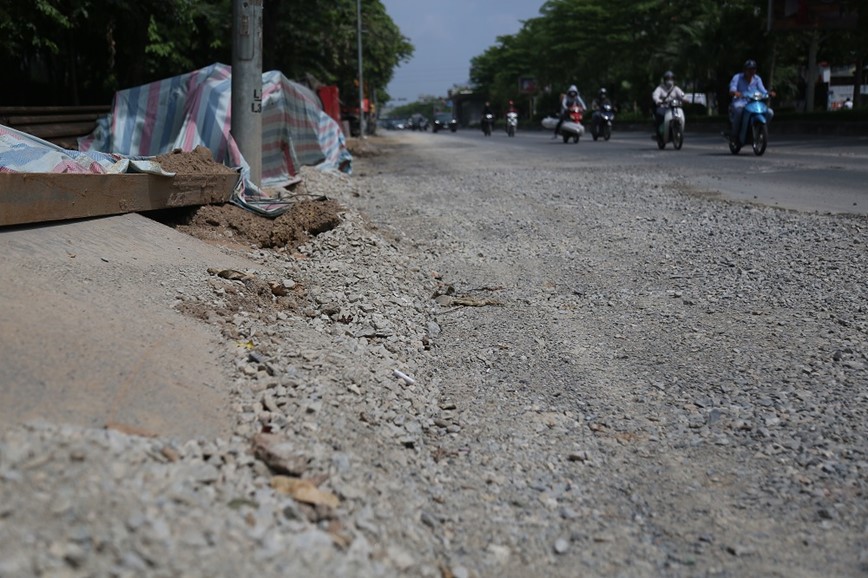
[[807, 173]]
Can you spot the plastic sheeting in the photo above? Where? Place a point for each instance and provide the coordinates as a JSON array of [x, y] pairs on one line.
[[24, 153], [194, 109]]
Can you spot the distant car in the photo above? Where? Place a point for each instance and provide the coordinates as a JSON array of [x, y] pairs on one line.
[[418, 122], [444, 120], [391, 123]]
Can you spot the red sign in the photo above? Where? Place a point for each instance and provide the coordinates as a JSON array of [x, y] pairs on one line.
[[527, 85]]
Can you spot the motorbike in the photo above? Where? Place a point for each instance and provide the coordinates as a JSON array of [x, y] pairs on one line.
[[753, 126], [601, 122], [571, 128], [511, 123], [487, 124], [672, 129]]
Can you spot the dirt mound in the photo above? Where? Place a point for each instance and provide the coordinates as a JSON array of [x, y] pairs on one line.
[[233, 224], [197, 161]]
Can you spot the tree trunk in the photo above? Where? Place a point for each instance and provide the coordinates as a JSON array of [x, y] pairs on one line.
[[72, 70], [811, 81], [271, 15], [773, 62]]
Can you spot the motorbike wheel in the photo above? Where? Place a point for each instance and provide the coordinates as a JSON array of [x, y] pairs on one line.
[[607, 132], [566, 138], [510, 130], [734, 147], [576, 139], [760, 138], [453, 128], [677, 136]]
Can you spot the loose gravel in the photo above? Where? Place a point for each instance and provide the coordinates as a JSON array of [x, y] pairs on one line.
[[523, 371]]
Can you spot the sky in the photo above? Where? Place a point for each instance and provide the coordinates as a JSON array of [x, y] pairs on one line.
[[446, 35]]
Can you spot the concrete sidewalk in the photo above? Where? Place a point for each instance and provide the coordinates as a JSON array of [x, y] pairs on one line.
[[88, 336]]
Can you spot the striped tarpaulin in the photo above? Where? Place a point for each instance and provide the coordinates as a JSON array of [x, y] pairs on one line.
[[194, 109], [24, 153]]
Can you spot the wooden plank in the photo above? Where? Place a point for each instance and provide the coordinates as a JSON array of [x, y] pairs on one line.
[[13, 110], [57, 130], [16, 121], [40, 197], [66, 142]]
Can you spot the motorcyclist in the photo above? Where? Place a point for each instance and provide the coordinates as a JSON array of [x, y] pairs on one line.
[[744, 83], [510, 109], [665, 92], [486, 110], [571, 98], [601, 99]]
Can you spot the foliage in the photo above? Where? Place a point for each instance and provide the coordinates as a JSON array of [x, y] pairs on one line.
[[324, 44], [426, 106], [63, 52], [626, 45]]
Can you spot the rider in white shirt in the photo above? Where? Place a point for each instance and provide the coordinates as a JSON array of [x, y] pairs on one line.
[[662, 95]]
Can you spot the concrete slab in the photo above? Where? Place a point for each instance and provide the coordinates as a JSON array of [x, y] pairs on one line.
[[87, 332]]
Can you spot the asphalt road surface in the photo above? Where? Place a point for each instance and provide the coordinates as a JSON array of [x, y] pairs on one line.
[[826, 174]]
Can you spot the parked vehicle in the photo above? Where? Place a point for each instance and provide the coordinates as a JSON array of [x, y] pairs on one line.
[[444, 120], [511, 123], [601, 122], [391, 123], [753, 128], [571, 128], [672, 129], [418, 122], [487, 124], [350, 115]]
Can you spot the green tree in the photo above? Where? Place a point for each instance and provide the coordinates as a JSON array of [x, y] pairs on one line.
[[82, 51], [625, 46], [323, 43]]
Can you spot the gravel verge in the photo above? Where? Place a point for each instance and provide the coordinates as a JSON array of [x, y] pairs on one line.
[[524, 371]]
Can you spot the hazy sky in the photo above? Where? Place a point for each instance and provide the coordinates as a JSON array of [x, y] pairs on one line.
[[447, 34]]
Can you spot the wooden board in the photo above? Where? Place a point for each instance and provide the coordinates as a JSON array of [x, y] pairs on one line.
[[39, 197]]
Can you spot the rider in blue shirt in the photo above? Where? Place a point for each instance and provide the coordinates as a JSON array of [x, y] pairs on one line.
[[742, 85]]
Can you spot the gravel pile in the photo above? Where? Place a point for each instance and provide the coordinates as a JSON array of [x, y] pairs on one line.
[[520, 372]]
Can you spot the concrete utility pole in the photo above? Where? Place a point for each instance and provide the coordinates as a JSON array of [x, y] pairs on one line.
[[361, 74], [247, 83]]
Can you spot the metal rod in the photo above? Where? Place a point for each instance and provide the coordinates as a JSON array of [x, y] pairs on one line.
[[247, 83], [361, 73]]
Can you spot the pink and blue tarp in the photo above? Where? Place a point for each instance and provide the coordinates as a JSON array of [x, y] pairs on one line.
[[194, 109], [24, 153], [189, 110]]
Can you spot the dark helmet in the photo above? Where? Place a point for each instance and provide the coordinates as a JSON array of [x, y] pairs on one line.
[[750, 64], [668, 75]]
